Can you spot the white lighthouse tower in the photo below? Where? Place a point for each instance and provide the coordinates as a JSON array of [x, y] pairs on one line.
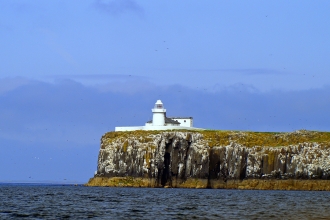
[[158, 114], [161, 122]]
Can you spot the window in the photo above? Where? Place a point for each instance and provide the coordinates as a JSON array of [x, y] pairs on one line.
[[184, 120], [159, 106]]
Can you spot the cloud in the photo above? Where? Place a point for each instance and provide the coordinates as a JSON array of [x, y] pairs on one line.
[[65, 120], [98, 77], [245, 71], [240, 87], [128, 84], [68, 108], [115, 7], [8, 84], [228, 72], [254, 71], [127, 87]]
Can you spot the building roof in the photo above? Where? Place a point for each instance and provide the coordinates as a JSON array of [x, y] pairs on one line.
[[181, 117], [167, 121], [159, 102], [171, 121]]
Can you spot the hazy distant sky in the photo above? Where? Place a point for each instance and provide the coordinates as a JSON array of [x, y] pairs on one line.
[[72, 70], [266, 44]]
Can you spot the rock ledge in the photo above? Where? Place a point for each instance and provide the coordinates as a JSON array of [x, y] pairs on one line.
[[214, 159]]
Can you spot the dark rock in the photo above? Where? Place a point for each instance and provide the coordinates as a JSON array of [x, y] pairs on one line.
[[171, 158]]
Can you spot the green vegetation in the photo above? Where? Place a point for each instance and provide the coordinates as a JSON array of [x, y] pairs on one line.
[[223, 138], [126, 134], [265, 139]]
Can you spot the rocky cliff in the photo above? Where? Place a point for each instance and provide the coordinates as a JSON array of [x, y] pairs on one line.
[[214, 159]]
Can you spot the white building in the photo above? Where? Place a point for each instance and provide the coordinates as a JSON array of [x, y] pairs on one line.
[[161, 122]]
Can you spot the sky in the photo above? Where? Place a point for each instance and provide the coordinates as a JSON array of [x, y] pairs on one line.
[[72, 70]]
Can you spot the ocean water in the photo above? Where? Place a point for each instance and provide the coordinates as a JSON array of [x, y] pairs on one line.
[[78, 202]]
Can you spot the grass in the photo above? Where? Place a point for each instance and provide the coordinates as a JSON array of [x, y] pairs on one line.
[[223, 138], [266, 139]]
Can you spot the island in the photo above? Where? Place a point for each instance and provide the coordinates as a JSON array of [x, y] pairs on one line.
[[298, 160]]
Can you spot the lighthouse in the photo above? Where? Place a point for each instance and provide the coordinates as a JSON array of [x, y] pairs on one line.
[[158, 114], [161, 122]]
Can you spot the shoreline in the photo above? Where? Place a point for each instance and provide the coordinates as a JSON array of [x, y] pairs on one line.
[[195, 183], [214, 160]]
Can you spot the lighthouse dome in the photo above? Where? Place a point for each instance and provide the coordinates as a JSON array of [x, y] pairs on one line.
[[159, 104]]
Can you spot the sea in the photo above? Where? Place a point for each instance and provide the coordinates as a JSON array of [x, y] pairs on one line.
[[48, 201]]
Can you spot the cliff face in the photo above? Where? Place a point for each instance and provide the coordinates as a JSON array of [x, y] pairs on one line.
[[185, 159]]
